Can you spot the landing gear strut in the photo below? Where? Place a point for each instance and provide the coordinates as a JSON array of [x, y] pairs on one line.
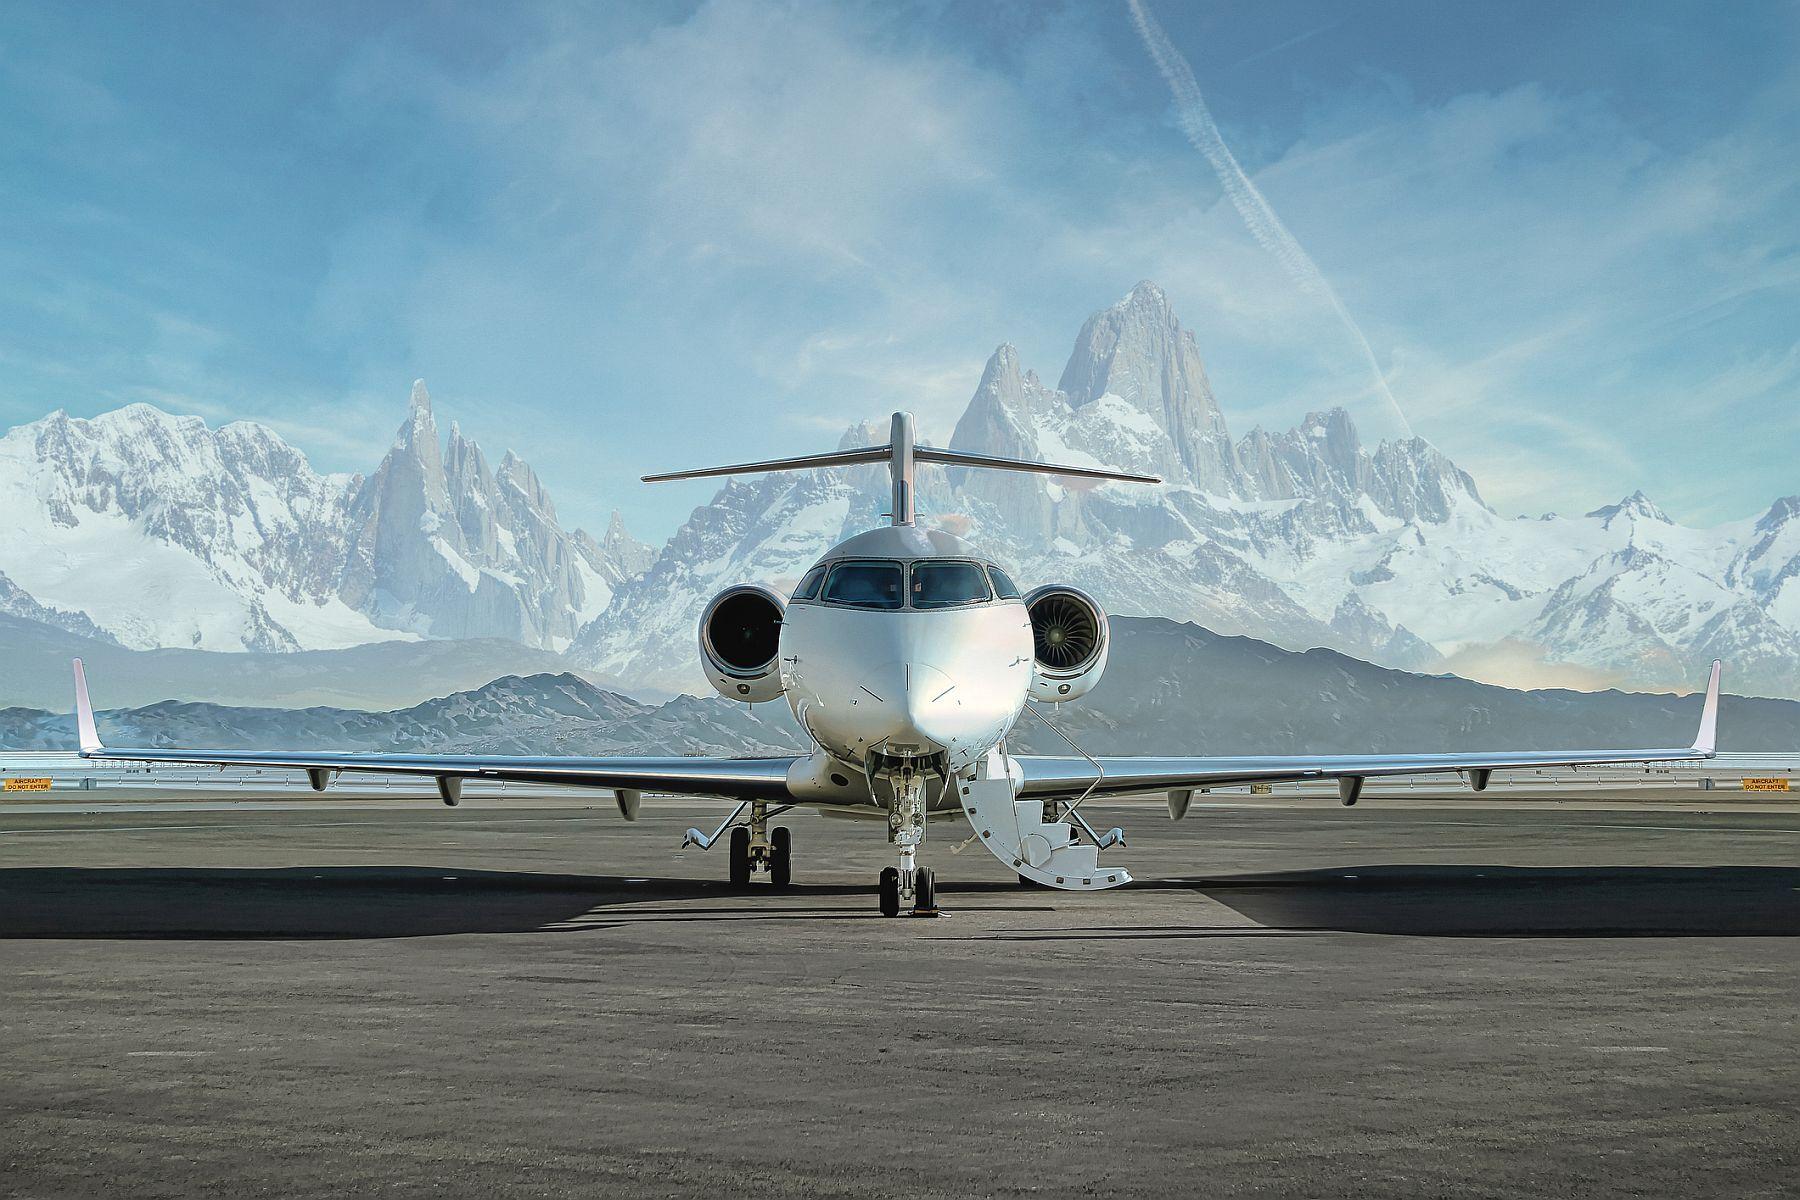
[[906, 829]]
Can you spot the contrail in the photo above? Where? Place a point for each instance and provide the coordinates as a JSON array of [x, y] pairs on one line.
[[1196, 121]]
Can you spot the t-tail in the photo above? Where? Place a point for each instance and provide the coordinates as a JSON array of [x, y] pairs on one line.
[[902, 454]]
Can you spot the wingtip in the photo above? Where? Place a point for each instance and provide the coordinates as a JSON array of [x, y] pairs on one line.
[[88, 735], [1706, 742]]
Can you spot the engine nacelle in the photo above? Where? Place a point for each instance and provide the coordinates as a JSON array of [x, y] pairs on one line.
[[740, 643], [1069, 642]]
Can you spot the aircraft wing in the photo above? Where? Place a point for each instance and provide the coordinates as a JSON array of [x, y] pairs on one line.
[[733, 778], [1071, 776]]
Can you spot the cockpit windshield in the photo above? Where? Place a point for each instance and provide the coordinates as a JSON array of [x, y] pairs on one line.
[[947, 584], [865, 585], [887, 584], [809, 586]]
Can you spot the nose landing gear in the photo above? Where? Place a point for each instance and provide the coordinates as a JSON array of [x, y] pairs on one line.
[[906, 829]]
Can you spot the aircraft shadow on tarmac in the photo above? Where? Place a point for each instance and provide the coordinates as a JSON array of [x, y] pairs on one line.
[[324, 902], [411, 901], [1500, 901]]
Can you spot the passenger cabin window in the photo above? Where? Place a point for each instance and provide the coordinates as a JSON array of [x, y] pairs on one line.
[[948, 584], [1004, 587], [809, 586], [865, 585]]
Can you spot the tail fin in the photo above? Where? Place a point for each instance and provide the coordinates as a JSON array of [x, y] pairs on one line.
[[1707, 740], [901, 455], [88, 736]]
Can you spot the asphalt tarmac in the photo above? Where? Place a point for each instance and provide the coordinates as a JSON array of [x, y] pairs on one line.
[[1415, 999]]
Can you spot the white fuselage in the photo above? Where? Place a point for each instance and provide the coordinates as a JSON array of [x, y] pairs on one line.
[[906, 682]]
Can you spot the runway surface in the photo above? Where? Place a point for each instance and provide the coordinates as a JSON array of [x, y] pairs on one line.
[[325, 999]]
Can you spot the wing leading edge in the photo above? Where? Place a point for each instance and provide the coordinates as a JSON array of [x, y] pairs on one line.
[[733, 778], [1065, 776], [766, 778]]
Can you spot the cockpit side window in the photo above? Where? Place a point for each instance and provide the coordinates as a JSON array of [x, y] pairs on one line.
[[866, 585], [809, 586], [947, 584], [1004, 587]]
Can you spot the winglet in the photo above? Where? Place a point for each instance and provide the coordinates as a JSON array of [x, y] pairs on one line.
[[84, 715], [1707, 739]]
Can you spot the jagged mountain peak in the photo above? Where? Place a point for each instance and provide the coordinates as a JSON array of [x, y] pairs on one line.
[[1138, 352], [1780, 513], [228, 539], [864, 433], [1637, 505], [1146, 295], [1004, 359]]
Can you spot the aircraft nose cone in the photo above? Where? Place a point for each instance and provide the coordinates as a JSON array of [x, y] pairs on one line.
[[923, 707]]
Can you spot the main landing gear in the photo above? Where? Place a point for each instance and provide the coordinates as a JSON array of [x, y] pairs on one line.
[[755, 849]]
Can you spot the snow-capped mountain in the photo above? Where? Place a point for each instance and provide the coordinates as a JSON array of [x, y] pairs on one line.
[[1303, 537], [153, 530], [444, 546]]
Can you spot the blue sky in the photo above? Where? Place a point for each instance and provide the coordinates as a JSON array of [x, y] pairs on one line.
[[623, 238]]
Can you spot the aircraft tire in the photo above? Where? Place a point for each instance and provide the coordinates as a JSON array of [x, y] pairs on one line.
[[890, 891], [925, 892], [740, 857], [781, 862]]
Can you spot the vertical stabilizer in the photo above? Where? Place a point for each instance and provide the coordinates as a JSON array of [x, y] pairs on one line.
[[900, 467]]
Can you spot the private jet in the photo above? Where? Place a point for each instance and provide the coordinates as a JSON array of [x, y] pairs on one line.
[[908, 657]]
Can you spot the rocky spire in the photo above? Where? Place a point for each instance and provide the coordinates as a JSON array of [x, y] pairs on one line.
[[1137, 350], [631, 556]]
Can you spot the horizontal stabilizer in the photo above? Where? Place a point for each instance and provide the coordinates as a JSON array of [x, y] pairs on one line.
[[959, 458], [901, 455], [806, 462]]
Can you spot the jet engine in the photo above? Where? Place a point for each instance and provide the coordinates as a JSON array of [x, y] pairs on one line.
[[1069, 643], [740, 643]]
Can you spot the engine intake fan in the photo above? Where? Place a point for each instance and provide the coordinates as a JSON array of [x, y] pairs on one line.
[[740, 643], [1069, 642]]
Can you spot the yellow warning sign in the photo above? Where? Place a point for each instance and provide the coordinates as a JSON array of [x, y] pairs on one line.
[[1766, 785], [24, 784]]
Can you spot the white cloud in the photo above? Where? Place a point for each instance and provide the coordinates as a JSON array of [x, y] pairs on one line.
[[794, 209]]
